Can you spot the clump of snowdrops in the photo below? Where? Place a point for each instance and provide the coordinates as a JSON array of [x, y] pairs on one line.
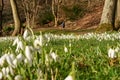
[[28, 60]]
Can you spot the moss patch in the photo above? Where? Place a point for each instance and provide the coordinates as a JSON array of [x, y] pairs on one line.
[[104, 27]]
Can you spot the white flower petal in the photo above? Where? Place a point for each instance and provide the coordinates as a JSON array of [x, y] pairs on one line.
[[18, 77], [1, 75], [69, 78]]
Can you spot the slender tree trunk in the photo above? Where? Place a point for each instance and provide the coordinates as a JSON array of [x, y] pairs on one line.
[[108, 14], [117, 16], [1, 10], [16, 18], [55, 8]]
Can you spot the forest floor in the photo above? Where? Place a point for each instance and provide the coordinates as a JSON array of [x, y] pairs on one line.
[[89, 22]]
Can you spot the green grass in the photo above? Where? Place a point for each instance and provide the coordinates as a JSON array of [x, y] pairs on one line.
[[91, 59], [4, 45], [63, 31]]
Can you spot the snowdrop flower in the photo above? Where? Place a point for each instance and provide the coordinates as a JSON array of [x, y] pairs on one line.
[[9, 60], [28, 53], [15, 62], [4, 71], [116, 49], [53, 55], [1, 75], [25, 34], [46, 60], [7, 70], [65, 49], [16, 41], [12, 56], [28, 62], [2, 59], [18, 77], [25, 61], [11, 70], [111, 53], [37, 44], [69, 78], [20, 46], [20, 57]]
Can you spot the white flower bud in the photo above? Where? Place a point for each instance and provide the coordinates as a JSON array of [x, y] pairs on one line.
[[1, 75], [69, 78], [25, 34], [20, 57], [16, 41], [53, 55], [20, 46], [18, 77], [12, 56], [28, 53], [111, 53], [4, 71], [9, 60], [65, 49], [15, 61], [11, 71]]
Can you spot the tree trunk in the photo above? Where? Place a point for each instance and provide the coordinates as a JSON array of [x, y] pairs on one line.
[[55, 10], [117, 16], [1, 10], [16, 18], [108, 14]]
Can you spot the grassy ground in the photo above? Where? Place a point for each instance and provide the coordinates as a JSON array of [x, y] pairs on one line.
[[90, 57]]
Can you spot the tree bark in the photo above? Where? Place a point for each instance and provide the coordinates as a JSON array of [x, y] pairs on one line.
[[108, 14], [55, 10], [117, 16], [16, 18], [1, 10]]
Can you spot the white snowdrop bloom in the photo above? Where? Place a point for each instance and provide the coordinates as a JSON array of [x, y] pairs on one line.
[[69, 78], [20, 45], [9, 60], [53, 55], [12, 56], [16, 41], [111, 53], [7, 70], [28, 53], [1, 75], [116, 49], [20, 57], [41, 40], [36, 44], [18, 77], [69, 44], [28, 62], [46, 60], [15, 62], [25, 61], [4, 71], [2, 59], [65, 49], [11, 71], [25, 34]]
